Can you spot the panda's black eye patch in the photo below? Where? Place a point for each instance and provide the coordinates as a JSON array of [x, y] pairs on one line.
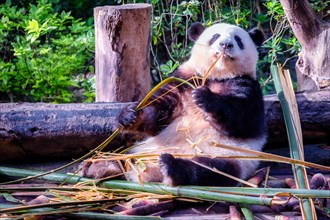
[[214, 38], [239, 42]]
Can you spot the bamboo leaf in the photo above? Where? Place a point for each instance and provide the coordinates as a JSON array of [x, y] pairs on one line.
[[10, 198]]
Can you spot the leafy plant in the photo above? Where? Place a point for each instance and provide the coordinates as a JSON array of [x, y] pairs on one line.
[[45, 54]]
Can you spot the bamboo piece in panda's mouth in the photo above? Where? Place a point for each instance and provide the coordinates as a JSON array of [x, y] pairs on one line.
[[211, 68]]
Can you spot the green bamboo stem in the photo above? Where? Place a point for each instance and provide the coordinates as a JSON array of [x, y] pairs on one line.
[[300, 193], [207, 193], [187, 192], [58, 204], [79, 215], [299, 171], [248, 215], [248, 191]]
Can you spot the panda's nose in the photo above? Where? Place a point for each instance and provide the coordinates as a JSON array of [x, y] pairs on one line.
[[226, 45]]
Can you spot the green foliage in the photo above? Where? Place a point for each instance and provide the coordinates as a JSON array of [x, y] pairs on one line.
[[171, 19], [44, 53], [47, 56]]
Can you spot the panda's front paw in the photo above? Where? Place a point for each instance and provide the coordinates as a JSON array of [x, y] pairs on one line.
[[128, 115], [202, 97]]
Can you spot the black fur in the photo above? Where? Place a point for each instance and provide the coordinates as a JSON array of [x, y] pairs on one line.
[[128, 115], [238, 110], [185, 172], [257, 36], [162, 108], [214, 38], [239, 42], [195, 30]]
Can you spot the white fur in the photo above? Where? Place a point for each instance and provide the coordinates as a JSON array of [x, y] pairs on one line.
[[204, 55]]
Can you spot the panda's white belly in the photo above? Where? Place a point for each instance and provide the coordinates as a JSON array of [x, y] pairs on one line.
[[192, 134]]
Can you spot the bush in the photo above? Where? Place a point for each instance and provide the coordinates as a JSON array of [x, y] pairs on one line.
[[45, 54]]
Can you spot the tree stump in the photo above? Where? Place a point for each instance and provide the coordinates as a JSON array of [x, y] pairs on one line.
[[122, 39]]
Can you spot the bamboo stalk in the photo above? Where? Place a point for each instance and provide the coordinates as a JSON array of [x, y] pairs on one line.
[[230, 194], [301, 193], [246, 211], [80, 215], [283, 86], [146, 187], [58, 204]]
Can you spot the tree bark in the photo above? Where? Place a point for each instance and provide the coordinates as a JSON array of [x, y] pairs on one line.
[[313, 65], [30, 130], [314, 112], [122, 39], [69, 130]]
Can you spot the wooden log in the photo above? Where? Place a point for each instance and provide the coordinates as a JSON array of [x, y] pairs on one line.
[[314, 111], [30, 130], [122, 39], [68, 130]]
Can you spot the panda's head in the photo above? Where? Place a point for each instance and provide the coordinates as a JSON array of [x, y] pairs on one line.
[[232, 49]]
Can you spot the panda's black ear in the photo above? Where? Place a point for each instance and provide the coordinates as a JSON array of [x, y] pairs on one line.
[[257, 36], [195, 30]]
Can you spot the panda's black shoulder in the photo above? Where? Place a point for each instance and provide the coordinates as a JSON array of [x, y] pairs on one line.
[[244, 85], [242, 80]]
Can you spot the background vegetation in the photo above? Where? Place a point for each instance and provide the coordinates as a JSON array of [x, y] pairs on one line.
[[47, 46]]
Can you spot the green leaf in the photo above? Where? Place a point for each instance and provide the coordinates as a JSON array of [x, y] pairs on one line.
[[10, 198], [33, 26]]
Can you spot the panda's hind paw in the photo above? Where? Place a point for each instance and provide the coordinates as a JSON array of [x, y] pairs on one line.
[[99, 169], [175, 170], [167, 167]]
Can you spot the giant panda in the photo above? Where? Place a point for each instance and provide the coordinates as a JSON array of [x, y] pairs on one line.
[[227, 109]]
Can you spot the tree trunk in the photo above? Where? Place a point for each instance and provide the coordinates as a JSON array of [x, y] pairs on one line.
[[69, 130], [122, 39], [313, 65]]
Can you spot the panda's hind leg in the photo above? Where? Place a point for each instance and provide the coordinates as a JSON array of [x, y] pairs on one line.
[[178, 171], [150, 173], [100, 169]]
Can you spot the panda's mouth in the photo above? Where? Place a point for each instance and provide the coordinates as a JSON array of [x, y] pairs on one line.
[[224, 55]]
